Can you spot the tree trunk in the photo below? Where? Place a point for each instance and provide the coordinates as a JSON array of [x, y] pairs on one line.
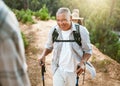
[[26, 4]]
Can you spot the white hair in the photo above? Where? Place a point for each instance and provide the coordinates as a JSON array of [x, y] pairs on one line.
[[63, 10]]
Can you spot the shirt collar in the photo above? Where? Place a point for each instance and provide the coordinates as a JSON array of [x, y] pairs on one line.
[[73, 26]]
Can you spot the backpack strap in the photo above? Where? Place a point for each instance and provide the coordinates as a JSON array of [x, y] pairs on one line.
[[54, 35], [76, 35]]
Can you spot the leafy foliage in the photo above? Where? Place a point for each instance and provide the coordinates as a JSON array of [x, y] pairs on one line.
[[43, 13], [25, 41], [25, 16], [102, 35], [34, 5]]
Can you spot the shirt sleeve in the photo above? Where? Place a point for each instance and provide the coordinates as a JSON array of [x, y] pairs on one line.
[[49, 43], [85, 40]]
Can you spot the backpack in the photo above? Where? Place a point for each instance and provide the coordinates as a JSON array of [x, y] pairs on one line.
[[76, 34]]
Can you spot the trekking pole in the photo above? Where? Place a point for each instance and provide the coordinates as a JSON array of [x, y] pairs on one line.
[[77, 78], [84, 73], [42, 72]]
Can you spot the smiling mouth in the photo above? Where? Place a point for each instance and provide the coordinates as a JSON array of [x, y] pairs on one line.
[[63, 27]]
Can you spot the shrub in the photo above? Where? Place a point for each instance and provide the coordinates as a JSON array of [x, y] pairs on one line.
[[107, 41], [25, 16], [103, 37], [25, 41], [43, 13]]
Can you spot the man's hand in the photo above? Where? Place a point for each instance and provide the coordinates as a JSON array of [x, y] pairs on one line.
[[41, 60], [80, 68]]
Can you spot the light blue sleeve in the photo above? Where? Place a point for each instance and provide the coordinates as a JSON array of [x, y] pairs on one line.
[[85, 40], [49, 43]]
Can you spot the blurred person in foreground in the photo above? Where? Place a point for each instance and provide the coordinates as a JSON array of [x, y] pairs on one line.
[[67, 55], [13, 67]]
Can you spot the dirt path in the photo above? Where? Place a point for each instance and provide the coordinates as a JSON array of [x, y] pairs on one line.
[[108, 71]]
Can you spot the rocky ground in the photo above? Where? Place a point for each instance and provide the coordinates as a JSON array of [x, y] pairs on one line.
[[108, 70]]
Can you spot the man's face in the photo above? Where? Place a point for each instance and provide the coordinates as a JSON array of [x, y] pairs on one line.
[[64, 21]]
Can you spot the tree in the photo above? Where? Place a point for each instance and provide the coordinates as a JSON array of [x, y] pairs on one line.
[[101, 25], [26, 4], [34, 5]]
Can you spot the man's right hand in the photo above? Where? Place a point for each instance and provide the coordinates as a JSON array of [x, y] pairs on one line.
[[42, 57], [41, 60]]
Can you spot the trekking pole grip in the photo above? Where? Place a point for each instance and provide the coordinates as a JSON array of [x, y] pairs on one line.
[[77, 78], [42, 72], [42, 68]]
